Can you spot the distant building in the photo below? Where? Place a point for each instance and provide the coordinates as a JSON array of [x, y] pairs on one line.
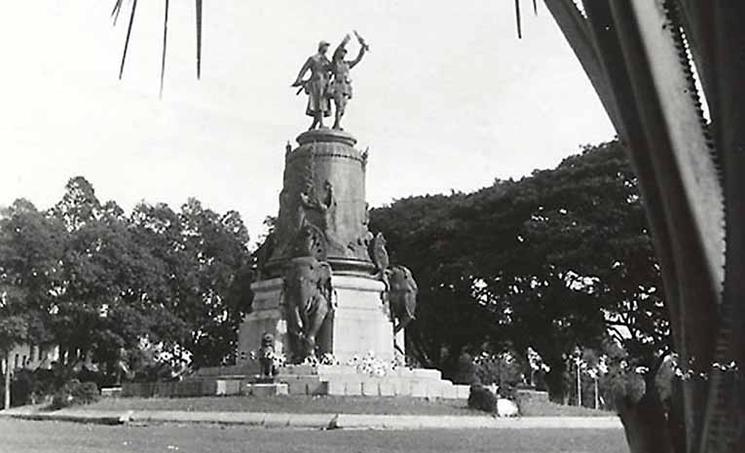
[[31, 357]]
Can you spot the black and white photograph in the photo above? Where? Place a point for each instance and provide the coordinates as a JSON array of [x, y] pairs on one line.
[[338, 226]]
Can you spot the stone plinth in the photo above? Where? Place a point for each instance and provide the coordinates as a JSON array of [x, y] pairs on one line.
[[266, 316], [360, 323]]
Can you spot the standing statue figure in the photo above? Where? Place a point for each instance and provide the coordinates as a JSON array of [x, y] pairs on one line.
[[340, 89], [316, 86], [266, 357]]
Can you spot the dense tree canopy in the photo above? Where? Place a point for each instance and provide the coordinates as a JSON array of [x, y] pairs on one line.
[[31, 247], [556, 260], [101, 284]]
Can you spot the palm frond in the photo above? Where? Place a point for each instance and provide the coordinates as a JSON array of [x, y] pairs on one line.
[[165, 43], [199, 37], [126, 42], [117, 8], [119, 4]]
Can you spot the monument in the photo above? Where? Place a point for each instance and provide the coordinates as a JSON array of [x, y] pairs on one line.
[[321, 291], [328, 307]]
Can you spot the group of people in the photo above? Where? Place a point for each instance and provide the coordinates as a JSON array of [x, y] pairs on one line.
[[329, 80]]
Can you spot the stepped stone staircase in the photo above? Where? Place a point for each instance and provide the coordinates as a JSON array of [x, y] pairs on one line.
[[340, 380]]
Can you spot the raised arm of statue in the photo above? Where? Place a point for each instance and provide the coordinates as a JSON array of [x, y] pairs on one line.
[[364, 47], [354, 62], [342, 44]]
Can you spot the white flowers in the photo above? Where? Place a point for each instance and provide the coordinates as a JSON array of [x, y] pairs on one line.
[[372, 366], [278, 359], [326, 359]]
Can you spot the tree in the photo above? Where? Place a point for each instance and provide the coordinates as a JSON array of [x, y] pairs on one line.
[[581, 262], [205, 271], [422, 235], [556, 260], [98, 304], [30, 250], [175, 281], [218, 249]]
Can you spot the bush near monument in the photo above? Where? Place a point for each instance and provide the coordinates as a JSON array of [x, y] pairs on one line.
[[482, 398], [75, 393]]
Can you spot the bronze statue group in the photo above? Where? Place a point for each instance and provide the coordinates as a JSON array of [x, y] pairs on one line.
[[328, 80]]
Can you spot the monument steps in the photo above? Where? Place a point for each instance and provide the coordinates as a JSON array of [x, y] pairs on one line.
[[337, 380]]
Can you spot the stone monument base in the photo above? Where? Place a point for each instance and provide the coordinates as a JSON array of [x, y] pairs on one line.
[[360, 323], [337, 380], [346, 380]]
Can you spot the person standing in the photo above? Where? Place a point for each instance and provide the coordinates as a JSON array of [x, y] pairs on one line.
[[316, 86]]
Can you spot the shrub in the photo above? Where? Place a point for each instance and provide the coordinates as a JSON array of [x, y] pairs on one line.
[[502, 369], [21, 387], [73, 393], [481, 398], [508, 391], [465, 371], [31, 386]]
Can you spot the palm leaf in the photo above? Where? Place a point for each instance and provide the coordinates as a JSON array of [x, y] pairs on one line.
[[118, 5], [116, 10], [199, 37], [126, 42], [165, 43]]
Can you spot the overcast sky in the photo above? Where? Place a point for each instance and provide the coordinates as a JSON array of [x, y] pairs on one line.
[[448, 98]]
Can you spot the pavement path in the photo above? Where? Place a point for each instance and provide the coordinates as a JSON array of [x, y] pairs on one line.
[[316, 421]]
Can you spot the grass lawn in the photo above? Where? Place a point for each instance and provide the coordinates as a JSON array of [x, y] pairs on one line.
[[548, 409], [52, 437], [329, 405], [301, 404]]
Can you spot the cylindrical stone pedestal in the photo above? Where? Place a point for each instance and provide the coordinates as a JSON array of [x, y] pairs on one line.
[[324, 185], [324, 191]]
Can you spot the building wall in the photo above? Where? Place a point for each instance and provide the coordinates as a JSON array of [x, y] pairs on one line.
[[31, 357]]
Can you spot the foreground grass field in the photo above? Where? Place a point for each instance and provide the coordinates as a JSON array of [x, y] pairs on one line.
[[52, 437], [329, 405]]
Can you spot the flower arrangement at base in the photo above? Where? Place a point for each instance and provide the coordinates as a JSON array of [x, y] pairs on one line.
[[372, 366]]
